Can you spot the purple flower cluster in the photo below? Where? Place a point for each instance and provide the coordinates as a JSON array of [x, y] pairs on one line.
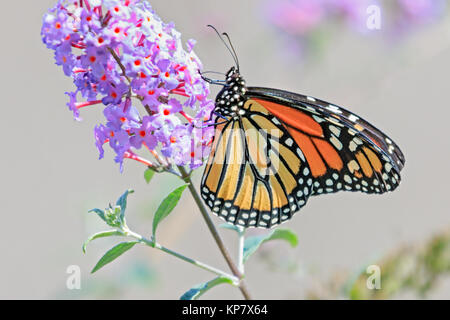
[[410, 14], [296, 17], [119, 52], [303, 19]]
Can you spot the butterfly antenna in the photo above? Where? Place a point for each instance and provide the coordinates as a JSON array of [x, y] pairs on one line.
[[232, 47], [215, 72], [232, 52]]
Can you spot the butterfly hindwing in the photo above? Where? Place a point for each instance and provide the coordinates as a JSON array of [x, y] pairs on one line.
[[254, 177]]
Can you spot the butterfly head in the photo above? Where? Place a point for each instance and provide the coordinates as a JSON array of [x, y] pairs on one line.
[[232, 75], [231, 99]]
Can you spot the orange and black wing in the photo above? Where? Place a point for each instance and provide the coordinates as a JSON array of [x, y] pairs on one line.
[[255, 177], [342, 150]]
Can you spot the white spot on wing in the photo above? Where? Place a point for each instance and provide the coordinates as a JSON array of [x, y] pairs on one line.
[[289, 142], [335, 141], [336, 131], [300, 154], [357, 140], [348, 179], [305, 171], [318, 119], [334, 109], [388, 166]]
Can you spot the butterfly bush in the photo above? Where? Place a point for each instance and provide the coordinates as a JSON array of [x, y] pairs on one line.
[[119, 53], [302, 20], [410, 14]]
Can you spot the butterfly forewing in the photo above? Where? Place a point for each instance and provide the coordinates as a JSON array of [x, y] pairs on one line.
[[334, 113], [341, 154]]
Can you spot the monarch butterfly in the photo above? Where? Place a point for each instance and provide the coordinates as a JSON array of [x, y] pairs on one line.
[[274, 149]]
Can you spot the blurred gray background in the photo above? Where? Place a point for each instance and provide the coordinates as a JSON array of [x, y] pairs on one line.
[[51, 176]]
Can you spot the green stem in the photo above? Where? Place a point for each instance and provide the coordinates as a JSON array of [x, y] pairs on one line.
[[187, 178], [199, 264], [241, 233]]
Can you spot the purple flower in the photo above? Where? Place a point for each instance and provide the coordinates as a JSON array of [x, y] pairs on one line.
[[120, 117], [119, 52], [101, 134], [422, 10], [72, 104], [296, 16], [144, 134], [65, 58], [411, 14], [301, 21]]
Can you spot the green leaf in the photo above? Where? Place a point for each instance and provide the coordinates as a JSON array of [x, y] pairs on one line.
[[113, 254], [102, 234], [252, 244], [230, 227], [99, 212], [148, 175], [197, 291], [166, 206], [122, 202]]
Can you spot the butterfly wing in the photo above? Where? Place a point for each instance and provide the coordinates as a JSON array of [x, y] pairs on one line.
[[253, 177], [343, 151]]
